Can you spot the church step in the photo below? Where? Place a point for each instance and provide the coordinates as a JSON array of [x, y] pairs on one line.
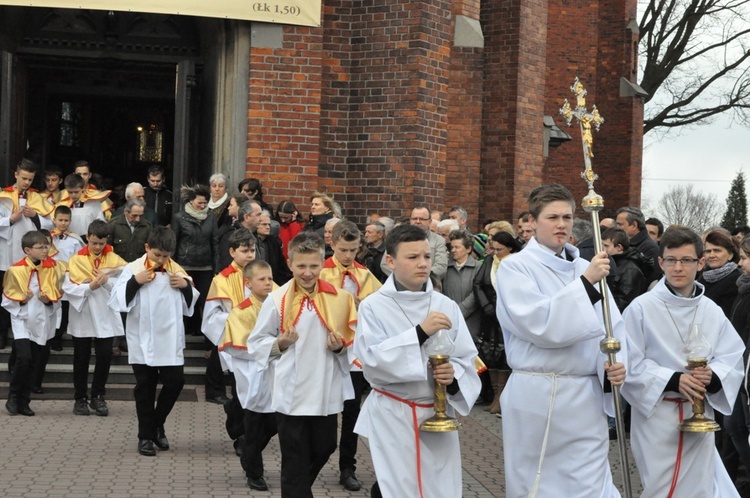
[[118, 374]]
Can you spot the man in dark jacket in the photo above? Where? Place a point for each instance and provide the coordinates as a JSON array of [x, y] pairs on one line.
[[632, 221], [159, 198], [268, 248], [627, 281], [375, 239], [130, 231]]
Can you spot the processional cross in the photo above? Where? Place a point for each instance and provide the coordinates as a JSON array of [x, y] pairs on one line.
[[593, 203]]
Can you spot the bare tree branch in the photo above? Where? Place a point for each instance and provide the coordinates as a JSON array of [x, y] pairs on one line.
[[695, 60], [683, 205]]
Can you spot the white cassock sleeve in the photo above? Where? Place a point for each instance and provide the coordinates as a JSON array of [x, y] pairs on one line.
[[264, 334], [76, 294], [215, 313]]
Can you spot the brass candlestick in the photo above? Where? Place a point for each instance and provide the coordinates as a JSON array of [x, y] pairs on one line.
[[699, 422], [440, 422]]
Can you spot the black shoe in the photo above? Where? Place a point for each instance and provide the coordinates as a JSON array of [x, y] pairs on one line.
[[37, 390], [12, 405], [612, 434], [349, 480], [238, 444], [26, 411], [4, 339], [56, 345], [258, 484], [219, 400], [99, 406], [81, 407], [146, 447], [161, 440]]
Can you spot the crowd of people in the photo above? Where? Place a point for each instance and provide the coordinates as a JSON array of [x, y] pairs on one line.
[[303, 316]]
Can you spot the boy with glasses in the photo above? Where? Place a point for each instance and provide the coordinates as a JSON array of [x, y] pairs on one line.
[[661, 388]]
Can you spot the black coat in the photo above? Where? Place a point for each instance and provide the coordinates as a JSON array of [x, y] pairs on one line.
[[627, 280], [650, 249], [317, 223], [372, 261], [161, 202], [197, 241], [274, 256], [723, 292]]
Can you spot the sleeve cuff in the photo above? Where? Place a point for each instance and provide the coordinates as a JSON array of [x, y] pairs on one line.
[[594, 295], [421, 335]]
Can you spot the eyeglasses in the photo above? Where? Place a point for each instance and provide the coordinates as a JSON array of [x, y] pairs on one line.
[[683, 261]]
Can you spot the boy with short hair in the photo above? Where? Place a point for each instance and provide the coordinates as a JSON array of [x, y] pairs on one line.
[[394, 324], [85, 205], [308, 324], [628, 281], [254, 386], [53, 178], [83, 169], [155, 292], [661, 388], [342, 271], [87, 288], [66, 242], [227, 291], [31, 294]]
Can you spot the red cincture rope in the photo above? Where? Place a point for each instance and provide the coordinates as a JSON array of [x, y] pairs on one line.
[[678, 460]]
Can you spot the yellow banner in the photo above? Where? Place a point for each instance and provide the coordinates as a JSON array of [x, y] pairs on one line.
[[299, 12]]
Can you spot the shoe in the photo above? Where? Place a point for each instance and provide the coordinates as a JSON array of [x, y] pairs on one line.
[[219, 400], [238, 444], [146, 447], [3, 339], [12, 406], [258, 484], [80, 407], [349, 480], [56, 345], [612, 434], [37, 390], [161, 441], [26, 411], [99, 406]]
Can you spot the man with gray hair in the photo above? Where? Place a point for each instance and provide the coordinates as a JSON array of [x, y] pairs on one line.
[[248, 216], [582, 236], [136, 191], [375, 239], [631, 220], [130, 230], [446, 226], [461, 216]]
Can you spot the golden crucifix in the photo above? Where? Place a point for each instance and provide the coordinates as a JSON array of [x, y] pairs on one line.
[[593, 203]]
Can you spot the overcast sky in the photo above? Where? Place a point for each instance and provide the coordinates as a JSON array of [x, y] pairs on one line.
[[707, 156]]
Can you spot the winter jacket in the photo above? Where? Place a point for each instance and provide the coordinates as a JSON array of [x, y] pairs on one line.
[[197, 241]]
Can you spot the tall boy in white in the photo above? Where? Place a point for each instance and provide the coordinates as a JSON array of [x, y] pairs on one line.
[[660, 386]]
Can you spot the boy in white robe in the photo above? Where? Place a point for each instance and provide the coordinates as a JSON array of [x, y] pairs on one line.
[[85, 205], [394, 325], [31, 294], [308, 324], [344, 272], [555, 405], [88, 284], [254, 386], [155, 292], [660, 386]]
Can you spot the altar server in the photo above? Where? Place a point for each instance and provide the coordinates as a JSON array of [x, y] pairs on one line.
[[556, 401]]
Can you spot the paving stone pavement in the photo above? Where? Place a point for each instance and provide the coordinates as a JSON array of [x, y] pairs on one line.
[[58, 454]]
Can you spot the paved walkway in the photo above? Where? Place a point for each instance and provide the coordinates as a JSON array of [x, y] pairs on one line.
[[58, 454]]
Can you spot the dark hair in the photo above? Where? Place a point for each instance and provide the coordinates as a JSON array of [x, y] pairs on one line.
[[239, 199], [633, 215], [33, 237], [257, 264], [719, 238], [100, 229], [541, 196], [523, 216], [189, 194], [80, 164], [287, 207], [162, 238], [307, 242], [47, 234], [242, 237], [62, 210], [508, 240], [745, 245], [26, 165], [658, 224], [617, 236], [402, 220], [463, 236], [744, 230], [155, 169], [345, 230], [74, 180], [680, 236], [402, 234], [53, 171], [254, 185]]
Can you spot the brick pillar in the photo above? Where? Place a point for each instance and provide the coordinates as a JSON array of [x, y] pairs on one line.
[[284, 115], [515, 58], [398, 104], [464, 147]]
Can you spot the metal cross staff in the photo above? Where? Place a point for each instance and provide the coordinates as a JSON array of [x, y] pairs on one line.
[[593, 203]]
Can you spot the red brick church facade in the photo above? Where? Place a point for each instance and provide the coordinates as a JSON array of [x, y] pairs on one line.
[[385, 106]]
